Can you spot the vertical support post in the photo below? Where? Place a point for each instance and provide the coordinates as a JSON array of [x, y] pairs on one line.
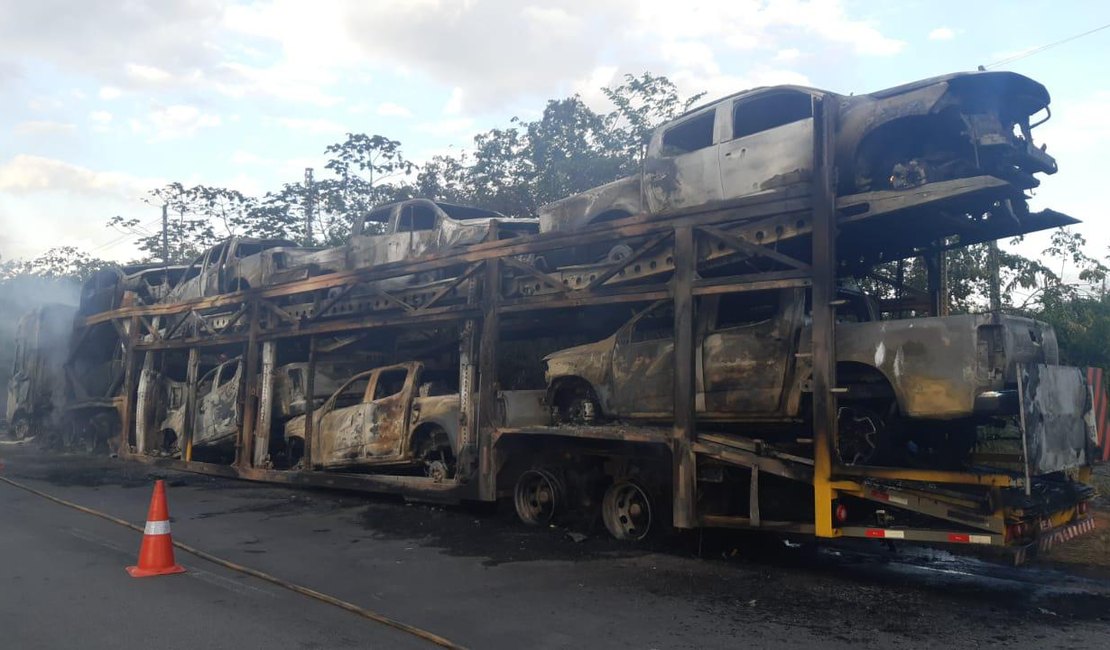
[[936, 274], [192, 372], [684, 476], [265, 406], [468, 376], [130, 379], [143, 407], [753, 498], [309, 405], [824, 318], [488, 417], [943, 308], [165, 236], [243, 453]]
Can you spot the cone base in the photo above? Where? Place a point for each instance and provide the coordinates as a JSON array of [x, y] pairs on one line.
[[137, 572]]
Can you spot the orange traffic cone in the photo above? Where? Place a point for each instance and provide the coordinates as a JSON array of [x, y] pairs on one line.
[[156, 553]]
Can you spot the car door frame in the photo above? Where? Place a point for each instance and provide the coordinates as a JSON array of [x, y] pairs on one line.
[[785, 327], [395, 411], [663, 174], [619, 375], [775, 156]]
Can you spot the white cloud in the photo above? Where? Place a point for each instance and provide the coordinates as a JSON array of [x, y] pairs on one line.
[[101, 121], [448, 127], [176, 121], [240, 157], [544, 49], [389, 109], [942, 34], [311, 125], [787, 55], [26, 174], [147, 73], [109, 93], [44, 127], [454, 103]]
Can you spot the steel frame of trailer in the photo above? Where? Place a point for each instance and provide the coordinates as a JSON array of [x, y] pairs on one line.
[[260, 318]]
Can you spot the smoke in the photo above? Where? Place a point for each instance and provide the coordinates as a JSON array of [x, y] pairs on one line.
[[18, 296]]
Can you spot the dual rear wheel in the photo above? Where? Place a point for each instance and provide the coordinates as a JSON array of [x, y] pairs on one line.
[[628, 508]]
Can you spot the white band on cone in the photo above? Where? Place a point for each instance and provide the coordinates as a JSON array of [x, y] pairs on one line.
[[157, 528]]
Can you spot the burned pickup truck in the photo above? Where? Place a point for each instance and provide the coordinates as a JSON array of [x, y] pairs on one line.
[[954, 126], [912, 389], [235, 264], [403, 231]]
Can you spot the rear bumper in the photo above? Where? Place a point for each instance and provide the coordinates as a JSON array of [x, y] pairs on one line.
[[1048, 539]]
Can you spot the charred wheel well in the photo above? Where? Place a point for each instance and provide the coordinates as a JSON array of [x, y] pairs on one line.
[[864, 382], [937, 137], [611, 214], [430, 432], [564, 389]]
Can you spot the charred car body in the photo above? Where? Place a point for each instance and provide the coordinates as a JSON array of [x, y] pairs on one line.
[[95, 362], [35, 388], [953, 126], [753, 367], [235, 264], [406, 230], [386, 416]]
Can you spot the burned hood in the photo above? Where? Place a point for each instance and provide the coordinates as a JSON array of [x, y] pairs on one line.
[[1030, 96]]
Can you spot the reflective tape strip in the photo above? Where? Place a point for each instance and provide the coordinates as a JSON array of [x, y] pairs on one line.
[[881, 533], [979, 539], [157, 528], [890, 498]]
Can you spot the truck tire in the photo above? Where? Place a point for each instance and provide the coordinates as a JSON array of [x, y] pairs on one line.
[[21, 428]]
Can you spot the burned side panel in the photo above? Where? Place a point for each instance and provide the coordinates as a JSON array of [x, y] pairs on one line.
[[218, 415], [1057, 417], [577, 211]]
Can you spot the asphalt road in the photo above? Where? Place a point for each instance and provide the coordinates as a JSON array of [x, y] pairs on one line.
[[479, 578]]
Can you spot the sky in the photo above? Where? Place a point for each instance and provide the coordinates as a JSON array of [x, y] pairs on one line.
[[103, 101]]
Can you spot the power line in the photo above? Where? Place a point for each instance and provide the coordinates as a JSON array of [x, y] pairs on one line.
[[1042, 48]]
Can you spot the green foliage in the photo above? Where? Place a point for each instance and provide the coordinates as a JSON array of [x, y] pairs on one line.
[[59, 263]]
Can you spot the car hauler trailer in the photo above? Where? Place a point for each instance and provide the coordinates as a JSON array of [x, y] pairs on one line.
[[486, 329]]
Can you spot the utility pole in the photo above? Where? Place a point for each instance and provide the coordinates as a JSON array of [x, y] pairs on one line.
[[165, 234], [309, 204]]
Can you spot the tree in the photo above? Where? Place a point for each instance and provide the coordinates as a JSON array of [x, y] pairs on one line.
[[59, 263], [363, 165], [643, 103]]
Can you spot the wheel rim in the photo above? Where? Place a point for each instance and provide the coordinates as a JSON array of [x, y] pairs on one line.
[[857, 435], [581, 410], [538, 497], [627, 511], [21, 429]]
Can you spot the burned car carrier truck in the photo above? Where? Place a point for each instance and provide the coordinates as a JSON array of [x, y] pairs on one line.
[[692, 352]]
